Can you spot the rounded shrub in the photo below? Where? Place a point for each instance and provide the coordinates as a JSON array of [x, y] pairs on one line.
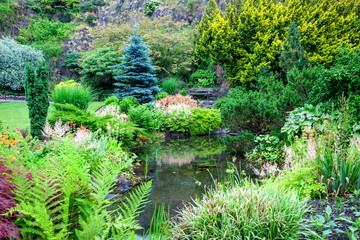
[[183, 92], [142, 116], [247, 211], [73, 93], [204, 121], [112, 101], [127, 103], [161, 95]]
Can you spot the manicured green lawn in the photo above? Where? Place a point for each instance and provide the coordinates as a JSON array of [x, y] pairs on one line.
[[16, 114]]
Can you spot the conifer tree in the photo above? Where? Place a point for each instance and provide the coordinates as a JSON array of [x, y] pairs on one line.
[[137, 76], [293, 54], [36, 91]]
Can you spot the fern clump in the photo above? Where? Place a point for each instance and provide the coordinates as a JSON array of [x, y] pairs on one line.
[[63, 192]]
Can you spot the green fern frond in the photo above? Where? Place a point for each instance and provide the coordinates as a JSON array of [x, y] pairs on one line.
[[130, 209]]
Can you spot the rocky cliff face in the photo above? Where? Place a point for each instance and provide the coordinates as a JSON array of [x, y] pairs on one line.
[[118, 11]]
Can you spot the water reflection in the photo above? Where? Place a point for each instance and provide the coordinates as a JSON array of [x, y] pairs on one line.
[[181, 169]]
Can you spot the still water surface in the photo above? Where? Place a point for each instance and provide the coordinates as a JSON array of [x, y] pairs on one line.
[[182, 169]]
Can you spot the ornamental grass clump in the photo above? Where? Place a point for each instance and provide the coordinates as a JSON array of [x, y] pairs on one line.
[[245, 211], [73, 93]]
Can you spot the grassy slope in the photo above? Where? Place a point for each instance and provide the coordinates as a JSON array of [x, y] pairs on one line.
[[16, 114]]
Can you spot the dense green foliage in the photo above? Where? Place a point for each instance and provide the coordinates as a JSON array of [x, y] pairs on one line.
[[172, 43], [204, 121], [44, 34], [63, 187], [36, 91], [137, 78], [72, 93], [340, 80], [203, 78], [142, 117], [170, 85], [303, 180], [71, 61], [64, 10], [13, 58], [95, 68], [127, 103], [249, 109], [70, 113], [7, 14], [293, 54], [250, 35], [151, 6], [161, 95], [268, 149], [112, 101]]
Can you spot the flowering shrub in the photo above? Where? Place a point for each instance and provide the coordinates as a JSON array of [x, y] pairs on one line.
[[7, 140], [176, 100], [59, 129]]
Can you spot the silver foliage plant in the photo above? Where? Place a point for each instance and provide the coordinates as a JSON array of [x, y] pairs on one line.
[[13, 57]]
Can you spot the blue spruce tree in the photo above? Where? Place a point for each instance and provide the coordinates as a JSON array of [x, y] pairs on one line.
[[136, 77]]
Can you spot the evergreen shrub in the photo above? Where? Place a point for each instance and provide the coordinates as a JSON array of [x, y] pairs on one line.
[[136, 77], [96, 71], [112, 101], [127, 103], [36, 91], [142, 116], [161, 95], [340, 80], [204, 121], [70, 113], [248, 109], [72, 61]]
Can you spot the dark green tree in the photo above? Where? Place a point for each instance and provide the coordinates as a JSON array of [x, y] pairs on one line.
[[293, 54], [136, 77], [36, 91]]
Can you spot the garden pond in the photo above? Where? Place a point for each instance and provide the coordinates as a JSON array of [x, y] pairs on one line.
[[182, 169]]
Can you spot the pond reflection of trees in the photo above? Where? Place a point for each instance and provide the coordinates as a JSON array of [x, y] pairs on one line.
[[168, 159], [184, 151]]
